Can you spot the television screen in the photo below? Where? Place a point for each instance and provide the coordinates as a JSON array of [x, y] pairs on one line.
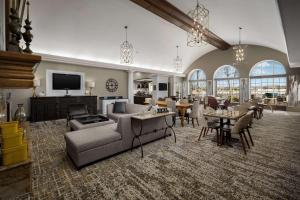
[[66, 81], [162, 86]]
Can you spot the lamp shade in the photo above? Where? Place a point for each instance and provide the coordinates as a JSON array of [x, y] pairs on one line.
[[36, 82], [91, 84]]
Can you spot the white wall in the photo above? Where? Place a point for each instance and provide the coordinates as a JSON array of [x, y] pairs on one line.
[[156, 94]]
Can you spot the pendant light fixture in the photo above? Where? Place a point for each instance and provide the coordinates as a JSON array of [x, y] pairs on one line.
[[126, 50], [239, 51], [196, 35], [178, 61]]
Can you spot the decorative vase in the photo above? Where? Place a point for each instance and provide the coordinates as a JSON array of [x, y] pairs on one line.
[[2, 108], [20, 115]]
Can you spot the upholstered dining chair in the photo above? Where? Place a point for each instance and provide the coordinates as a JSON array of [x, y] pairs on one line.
[[242, 107], [172, 107], [212, 102], [208, 123], [194, 113], [183, 101], [152, 102], [239, 129], [168, 99]]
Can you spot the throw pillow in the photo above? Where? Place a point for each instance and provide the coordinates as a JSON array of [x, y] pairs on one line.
[[119, 107]]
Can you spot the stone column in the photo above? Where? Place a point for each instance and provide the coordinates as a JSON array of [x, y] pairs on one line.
[[130, 87]]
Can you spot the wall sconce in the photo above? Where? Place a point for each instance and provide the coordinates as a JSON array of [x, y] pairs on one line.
[[36, 84], [90, 85]]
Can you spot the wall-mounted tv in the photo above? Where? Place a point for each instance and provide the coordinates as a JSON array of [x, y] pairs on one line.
[[162, 86], [66, 81]]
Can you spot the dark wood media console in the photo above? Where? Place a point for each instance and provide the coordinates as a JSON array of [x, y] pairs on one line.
[[51, 108]]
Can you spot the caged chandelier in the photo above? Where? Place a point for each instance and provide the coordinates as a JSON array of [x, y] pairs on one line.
[[196, 35], [126, 50], [178, 62], [239, 51]]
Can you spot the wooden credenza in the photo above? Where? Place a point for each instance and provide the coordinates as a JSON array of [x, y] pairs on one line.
[[51, 108]]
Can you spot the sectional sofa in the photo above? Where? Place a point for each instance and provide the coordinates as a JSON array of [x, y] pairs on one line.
[[92, 144]]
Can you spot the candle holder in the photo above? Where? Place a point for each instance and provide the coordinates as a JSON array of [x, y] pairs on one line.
[[14, 27], [27, 34]]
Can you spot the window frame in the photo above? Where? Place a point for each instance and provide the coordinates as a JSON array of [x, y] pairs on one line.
[[266, 89], [203, 80], [230, 79]]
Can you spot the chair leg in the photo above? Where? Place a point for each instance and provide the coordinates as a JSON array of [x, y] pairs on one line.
[[243, 144], [200, 133], [250, 137], [221, 137], [197, 121], [193, 123], [206, 131], [243, 132], [218, 137]]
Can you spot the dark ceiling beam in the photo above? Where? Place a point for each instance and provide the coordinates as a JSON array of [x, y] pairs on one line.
[[169, 12]]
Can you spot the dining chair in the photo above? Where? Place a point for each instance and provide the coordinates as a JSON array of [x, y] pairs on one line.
[[249, 116], [209, 123], [183, 101], [172, 107], [152, 102], [241, 108], [239, 128], [168, 99], [194, 113], [212, 102]]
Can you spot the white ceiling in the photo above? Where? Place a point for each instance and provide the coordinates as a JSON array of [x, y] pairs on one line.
[[93, 29]]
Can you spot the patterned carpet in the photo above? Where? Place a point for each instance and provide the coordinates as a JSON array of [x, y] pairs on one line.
[[185, 170]]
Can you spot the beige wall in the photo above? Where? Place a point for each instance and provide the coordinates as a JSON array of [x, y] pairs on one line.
[[214, 59], [99, 75], [211, 61]]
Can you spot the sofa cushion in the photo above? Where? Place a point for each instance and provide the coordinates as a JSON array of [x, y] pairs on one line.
[[119, 107], [86, 139]]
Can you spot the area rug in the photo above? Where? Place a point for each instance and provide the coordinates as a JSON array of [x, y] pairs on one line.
[[189, 169]]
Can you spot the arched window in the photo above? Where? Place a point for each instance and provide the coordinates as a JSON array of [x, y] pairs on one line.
[[197, 82], [268, 79], [227, 82]]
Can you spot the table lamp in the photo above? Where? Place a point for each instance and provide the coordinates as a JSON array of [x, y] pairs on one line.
[[91, 85], [36, 83]]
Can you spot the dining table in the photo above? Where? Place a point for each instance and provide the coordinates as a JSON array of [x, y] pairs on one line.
[[224, 114], [181, 107]]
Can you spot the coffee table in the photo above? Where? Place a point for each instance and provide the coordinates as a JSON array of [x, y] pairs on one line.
[[89, 122]]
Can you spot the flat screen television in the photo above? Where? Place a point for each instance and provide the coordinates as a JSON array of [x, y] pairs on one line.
[[66, 81], [162, 86]]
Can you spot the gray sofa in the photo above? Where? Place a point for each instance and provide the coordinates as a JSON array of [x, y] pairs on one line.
[[129, 109], [89, 145]]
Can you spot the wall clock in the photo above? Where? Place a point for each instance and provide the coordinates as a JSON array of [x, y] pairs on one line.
[[111, 85]]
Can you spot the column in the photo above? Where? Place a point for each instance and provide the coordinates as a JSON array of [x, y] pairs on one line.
[[173, 85], [130, 86], [2, 25]]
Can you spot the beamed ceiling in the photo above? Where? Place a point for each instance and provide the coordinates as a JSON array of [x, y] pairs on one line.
[[93, 30]]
